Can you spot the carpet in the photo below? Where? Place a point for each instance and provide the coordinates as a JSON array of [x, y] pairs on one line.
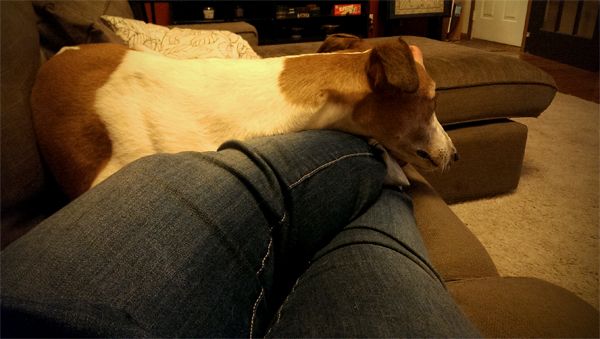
[[548, 227]]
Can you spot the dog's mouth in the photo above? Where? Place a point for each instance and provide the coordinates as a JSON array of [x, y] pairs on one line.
[[423, 160]]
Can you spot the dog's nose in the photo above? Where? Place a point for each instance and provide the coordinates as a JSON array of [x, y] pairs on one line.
[[455, 157]]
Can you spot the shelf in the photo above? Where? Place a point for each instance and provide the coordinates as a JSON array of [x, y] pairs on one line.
[[264, 16]]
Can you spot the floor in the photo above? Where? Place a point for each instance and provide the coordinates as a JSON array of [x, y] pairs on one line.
[[550, 222], [570, 80]]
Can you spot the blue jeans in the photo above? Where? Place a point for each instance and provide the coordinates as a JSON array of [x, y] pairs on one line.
[[290, 235]]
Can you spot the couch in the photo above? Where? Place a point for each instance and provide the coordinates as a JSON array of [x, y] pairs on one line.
[[477, 94]]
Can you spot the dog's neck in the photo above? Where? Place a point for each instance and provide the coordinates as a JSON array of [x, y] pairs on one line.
[[327, 86]]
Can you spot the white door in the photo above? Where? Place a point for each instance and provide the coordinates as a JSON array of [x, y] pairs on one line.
[[501, 21]]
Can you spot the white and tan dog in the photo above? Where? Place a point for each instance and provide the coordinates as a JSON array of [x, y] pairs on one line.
[[99, 107]]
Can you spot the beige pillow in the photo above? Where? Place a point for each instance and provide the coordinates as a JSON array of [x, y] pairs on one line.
[[180, 43]]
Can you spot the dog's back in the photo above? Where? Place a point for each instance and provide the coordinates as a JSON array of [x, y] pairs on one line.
[[99, 107]]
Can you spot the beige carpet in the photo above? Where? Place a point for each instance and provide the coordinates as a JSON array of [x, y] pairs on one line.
[[548, 227]]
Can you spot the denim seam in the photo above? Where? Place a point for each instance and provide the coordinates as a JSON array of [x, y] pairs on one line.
[[311, 173], [254, 308], [262, 290], [278, 318], [260, 270]]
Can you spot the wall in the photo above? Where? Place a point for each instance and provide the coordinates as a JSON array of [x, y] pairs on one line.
[[466, 12]]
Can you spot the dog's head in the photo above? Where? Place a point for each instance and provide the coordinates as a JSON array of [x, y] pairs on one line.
[[400, 111]]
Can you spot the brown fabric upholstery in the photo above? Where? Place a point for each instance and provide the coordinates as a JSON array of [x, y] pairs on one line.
[[20, 62], [272, 51], [24, 182], [68, 23], [454, 251], [491, 154], [476, 85], [481, 68], [493, 101], [524, 308]]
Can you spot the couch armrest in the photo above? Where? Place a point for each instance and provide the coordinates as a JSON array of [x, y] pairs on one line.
[[517, 307], [454, 250]]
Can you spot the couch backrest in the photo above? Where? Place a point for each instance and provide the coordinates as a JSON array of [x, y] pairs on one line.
[[28, 192], [22, 174], [68, 23]]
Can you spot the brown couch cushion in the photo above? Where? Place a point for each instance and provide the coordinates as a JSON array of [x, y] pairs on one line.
[[68, 23], [23, 178], [491, 154], [454, 251], [475, 85], [524, 307], [20, 62]]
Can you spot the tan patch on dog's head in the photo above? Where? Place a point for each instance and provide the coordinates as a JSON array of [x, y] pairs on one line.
[[392, 68], [400, 110], [348, 76], [73, 140], [311, 80]]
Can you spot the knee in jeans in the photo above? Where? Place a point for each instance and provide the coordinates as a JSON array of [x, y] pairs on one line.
[[160, 164]]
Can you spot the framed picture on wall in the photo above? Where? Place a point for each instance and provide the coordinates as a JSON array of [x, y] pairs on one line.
[[408, 8]]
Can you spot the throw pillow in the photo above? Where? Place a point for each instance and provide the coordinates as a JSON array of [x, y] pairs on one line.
[[180, 43]]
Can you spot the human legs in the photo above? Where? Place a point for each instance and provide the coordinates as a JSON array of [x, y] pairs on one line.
[[372, 280], [193, 244]]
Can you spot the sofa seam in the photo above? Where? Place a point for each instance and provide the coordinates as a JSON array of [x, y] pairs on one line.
[[484, 84], [463, 280]]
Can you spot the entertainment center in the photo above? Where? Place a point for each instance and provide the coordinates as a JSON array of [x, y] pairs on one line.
[[280, 21]]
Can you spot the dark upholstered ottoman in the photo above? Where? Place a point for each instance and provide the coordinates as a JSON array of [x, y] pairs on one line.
[[478, 92]]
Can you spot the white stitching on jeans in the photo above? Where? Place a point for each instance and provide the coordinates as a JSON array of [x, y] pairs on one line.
[[283, 305], [311, 173], [254, 308], [282, 218], [264, 259], [262, 290]]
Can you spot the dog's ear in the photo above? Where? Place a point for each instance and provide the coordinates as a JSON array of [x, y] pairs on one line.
[[392, 65], [342, 41]]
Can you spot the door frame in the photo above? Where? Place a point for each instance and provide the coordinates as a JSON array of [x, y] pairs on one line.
[[524, 37]]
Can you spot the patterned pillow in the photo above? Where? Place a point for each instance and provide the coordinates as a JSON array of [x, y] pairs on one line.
[[180, 43]]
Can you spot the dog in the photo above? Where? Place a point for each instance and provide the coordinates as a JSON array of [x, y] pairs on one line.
[[98, 107]]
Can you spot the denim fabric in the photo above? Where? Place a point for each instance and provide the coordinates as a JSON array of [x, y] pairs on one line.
[[211, 244], [372, 280]]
